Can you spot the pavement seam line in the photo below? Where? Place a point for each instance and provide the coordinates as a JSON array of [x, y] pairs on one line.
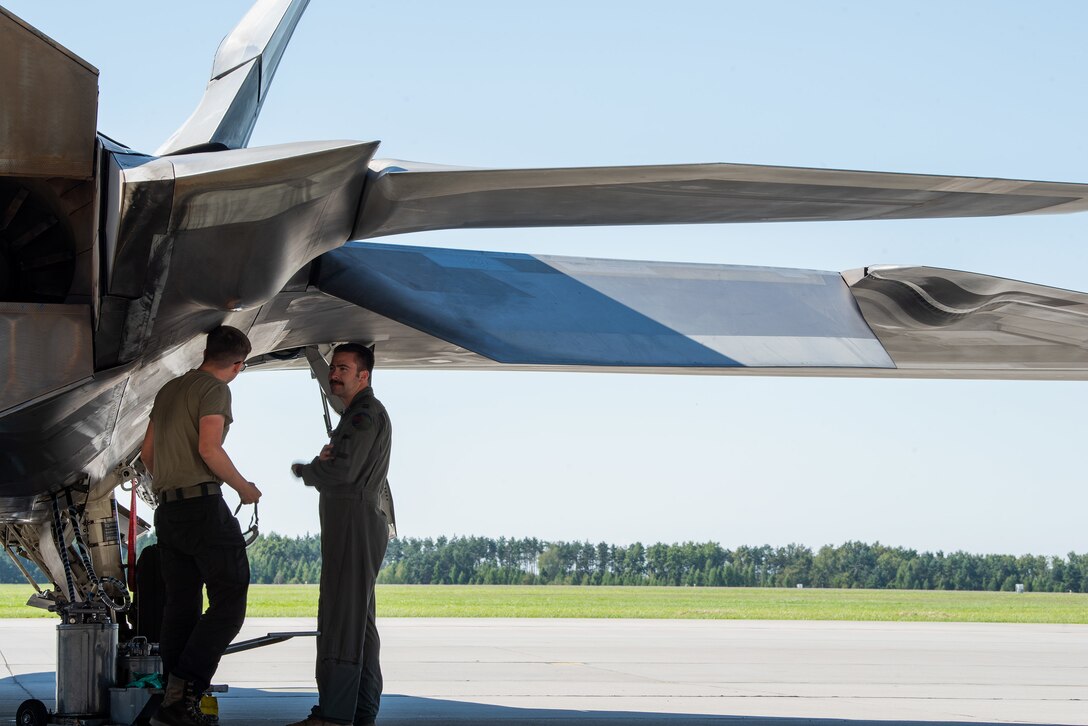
[[14, 678]]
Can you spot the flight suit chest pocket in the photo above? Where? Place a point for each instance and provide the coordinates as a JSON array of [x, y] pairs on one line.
[[357, 423], [341, 443]]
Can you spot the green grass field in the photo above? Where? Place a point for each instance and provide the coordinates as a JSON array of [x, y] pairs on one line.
[[450, 601]]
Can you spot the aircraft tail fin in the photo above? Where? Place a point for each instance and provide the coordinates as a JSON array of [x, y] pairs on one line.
[[242, 73]]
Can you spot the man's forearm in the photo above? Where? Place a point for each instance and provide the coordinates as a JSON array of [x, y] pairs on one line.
[[315, 476], [219, 462]]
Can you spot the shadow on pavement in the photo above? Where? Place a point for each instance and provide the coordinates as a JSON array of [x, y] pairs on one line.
[[253, 707], [42, 686], [257, 707]]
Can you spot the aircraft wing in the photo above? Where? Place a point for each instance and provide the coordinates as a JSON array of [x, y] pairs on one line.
[[456, 309], [404, 196]]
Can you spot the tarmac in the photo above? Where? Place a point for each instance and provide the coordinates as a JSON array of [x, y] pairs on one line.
[[675, 672]]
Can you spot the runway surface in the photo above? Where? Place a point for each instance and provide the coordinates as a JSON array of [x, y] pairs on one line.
[[675, 672]]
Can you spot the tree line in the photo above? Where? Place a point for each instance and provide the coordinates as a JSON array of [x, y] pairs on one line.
[[275, 559], [482, 560], [531, 561]]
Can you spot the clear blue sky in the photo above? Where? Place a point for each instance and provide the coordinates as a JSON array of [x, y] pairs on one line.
[[969, 88]]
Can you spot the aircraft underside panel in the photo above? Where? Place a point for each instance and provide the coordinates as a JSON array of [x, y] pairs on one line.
[[538, 310], [46, 348], [43, 447]]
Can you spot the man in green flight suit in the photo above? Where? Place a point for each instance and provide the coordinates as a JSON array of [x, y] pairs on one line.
[[356, 512]]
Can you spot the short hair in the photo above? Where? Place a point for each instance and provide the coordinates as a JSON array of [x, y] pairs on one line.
[[226, 345], [364, 357]]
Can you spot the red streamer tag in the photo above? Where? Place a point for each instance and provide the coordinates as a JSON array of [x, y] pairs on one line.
[[132, 541]]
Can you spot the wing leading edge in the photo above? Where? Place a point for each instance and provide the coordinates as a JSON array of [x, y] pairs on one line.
[[406, 196]]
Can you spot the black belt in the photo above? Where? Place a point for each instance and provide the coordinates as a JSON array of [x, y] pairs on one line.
[[203, 489]]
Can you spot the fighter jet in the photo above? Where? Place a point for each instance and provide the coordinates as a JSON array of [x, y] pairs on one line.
[[114, 262]]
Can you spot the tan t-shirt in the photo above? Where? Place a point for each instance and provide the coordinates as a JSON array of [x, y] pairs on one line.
[[179, 406]]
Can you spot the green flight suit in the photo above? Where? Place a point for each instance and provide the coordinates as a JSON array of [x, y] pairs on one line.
[[356, 523]]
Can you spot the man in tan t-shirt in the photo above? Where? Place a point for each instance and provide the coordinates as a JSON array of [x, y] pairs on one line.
[[199, 540]]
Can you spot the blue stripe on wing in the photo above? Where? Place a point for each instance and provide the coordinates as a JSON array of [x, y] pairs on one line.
[[522, 309]]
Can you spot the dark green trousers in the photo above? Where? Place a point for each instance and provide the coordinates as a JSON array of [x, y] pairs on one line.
[[354, 535], [200, 545]]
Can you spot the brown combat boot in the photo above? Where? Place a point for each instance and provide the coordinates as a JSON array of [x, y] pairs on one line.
[[180, 705]]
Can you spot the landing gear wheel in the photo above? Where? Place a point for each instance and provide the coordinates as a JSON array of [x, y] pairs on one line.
[[32, 713]]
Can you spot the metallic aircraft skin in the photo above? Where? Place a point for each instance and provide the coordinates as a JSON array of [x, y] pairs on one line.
[[116, 262]]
